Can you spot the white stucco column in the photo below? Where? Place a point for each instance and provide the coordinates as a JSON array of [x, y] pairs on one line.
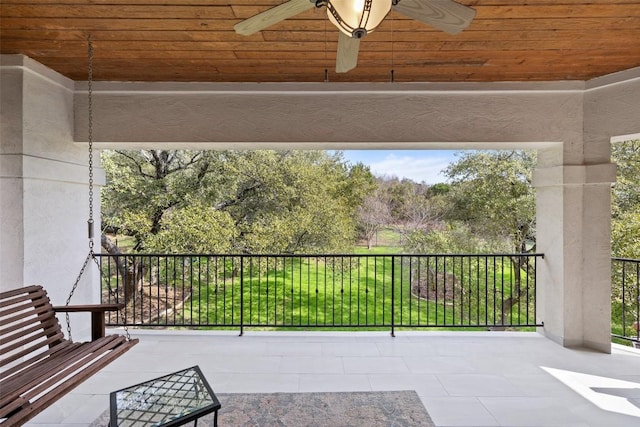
[[573, 183], [573, 204], [43, 185]]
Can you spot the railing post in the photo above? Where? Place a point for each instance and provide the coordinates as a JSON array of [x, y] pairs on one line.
[[393, 296], [241, 295]]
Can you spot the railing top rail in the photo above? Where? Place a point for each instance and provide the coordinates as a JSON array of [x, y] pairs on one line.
[[541, 255], [625, 259]]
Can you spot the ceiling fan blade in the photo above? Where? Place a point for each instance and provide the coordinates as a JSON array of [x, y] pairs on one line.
[[272, 16], [347, 56], [445, 15]]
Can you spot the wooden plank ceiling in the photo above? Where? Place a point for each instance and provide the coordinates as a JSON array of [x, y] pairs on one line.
[[193, 40]]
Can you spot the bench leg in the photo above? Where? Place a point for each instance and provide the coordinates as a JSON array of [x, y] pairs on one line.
[[97, 325]]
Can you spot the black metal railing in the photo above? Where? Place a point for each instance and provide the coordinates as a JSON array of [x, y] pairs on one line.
[[322, 291], [625, 300]]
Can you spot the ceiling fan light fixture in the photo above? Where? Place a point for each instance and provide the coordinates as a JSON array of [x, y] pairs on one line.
[[357, 18]]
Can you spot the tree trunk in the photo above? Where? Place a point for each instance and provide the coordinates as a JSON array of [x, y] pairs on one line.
[[130, 272]]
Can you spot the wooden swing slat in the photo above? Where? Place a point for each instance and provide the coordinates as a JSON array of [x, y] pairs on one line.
[[33, 291], [48, 326], [12, 357], [48, 334], [41, 365], [36, 368], [34, 359], [30, 410], [42, 376], [41, 313]]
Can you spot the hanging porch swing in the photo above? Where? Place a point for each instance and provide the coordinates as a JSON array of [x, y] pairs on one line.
[[38, 364]]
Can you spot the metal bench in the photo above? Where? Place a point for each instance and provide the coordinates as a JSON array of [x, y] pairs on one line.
[[38, 365]]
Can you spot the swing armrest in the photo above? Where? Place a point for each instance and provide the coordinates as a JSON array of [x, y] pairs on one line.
[[101, 308], [98, 329]]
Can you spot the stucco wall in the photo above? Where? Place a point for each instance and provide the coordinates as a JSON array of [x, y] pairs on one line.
[[44, 179]]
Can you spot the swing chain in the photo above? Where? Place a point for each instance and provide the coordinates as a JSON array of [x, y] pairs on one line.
[[73, 289], [90, 125], [91, 255]]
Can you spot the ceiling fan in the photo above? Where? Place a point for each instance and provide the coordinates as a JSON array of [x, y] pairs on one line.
[[356, 18]]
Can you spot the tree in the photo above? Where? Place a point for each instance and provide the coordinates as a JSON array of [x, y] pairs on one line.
[[260, 201], [411, 205], [196, 228], [490, 192], [142, 186], [398, 195], [291, 201], [373, 215], [452, 237]]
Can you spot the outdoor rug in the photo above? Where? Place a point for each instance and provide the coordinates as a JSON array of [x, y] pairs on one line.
[[344, 409]]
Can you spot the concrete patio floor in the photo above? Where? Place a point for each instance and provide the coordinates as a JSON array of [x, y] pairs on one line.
[[463, 378]]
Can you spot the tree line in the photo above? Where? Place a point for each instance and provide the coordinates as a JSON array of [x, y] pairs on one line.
[[266, 201]]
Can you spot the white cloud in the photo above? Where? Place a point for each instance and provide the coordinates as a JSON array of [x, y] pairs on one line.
[[417, 169]]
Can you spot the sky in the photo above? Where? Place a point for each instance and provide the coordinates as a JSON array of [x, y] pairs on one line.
[[416, 165]]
